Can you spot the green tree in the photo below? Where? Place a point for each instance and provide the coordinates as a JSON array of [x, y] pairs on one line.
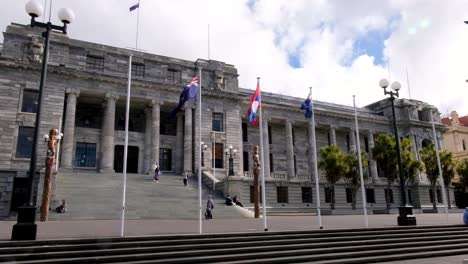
[[449, 166], [385, 155], [462, 170], [411, 166], [428, 156], [334, 164], [352, 177]]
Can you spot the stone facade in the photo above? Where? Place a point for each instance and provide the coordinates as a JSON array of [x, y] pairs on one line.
[[456, 137], [85, 95]]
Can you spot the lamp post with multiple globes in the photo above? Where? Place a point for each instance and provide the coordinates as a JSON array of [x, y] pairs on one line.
[[25, 228]]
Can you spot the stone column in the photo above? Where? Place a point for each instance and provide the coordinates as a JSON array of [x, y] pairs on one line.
[[179, 164], [69, 129], [266, 148], [352, 140], [414, 148], [188, 139], [108, 127], [290, 150], [155, 130], [148, 129], [240, 151], [372, 163], [332, 136]]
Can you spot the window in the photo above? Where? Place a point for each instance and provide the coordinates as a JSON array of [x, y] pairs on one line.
[[295, 165], [252, 194], [293, 138], [25, 142], [168, 125], [306, 194], [94, 63], [219, 156], [282, 194], [349, 195], [366, 143], [410, 197], [217, 122], [463, 142], [245, 156], [370, 195], [85, 155], [389, 195], [329, 140], [328, 195], [269, 135], [420, 116], [271, 163], [173, 76], [138, 70], [347, 142], [29, 103], [244, 133]]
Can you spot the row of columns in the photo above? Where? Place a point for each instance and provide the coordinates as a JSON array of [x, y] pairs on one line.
[[290, 148], [151, 139]]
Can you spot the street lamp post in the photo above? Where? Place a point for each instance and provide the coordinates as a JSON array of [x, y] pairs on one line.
[[230, 151], [406, 216], [25, 228], [204, 147]]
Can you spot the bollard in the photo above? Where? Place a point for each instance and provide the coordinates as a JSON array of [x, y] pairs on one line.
[[465, 216]]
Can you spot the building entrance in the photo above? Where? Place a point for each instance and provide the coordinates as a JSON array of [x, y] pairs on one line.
[[165, 159], [132, 159]]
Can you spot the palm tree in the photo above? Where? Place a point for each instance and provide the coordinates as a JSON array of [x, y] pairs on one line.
[[334, 165], [385, 155], [428, 156], [449, 166], [352, 178]]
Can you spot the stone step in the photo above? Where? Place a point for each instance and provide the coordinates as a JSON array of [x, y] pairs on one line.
[[326, 246], [98, 196]]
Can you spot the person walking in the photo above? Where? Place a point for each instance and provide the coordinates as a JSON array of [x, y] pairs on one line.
[[157, 173], [209, 208], [185, 177]]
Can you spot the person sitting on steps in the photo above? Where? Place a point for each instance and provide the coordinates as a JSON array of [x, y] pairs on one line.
[[62, 208], [236, 201], [228, 200]]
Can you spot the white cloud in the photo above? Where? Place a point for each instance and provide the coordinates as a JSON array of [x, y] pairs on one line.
[[320, 32]]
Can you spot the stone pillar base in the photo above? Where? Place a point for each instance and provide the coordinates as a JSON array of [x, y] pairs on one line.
[[25, 228], [406, 217]]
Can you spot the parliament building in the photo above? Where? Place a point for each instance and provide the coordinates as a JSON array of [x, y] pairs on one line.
[[85, 97]]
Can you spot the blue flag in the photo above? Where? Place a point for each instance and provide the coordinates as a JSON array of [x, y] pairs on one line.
[[308, 105], [190, 93]]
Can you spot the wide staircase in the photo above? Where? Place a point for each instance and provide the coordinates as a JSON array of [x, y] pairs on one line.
[[91, 195], [373, 245]]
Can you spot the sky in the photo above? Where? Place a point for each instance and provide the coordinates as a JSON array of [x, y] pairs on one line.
[[340, 48]]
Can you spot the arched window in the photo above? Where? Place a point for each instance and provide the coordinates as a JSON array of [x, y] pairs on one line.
[[463, 144]]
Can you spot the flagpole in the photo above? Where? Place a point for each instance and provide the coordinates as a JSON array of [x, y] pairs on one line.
[[262, 167], [209, 42], [363, 190], [199, 152], [314, 156], [441, 179], [127, 114], [138, 23]]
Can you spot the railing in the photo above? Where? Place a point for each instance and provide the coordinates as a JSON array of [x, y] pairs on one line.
[[303, 177], [248, 174], [279, 175]]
